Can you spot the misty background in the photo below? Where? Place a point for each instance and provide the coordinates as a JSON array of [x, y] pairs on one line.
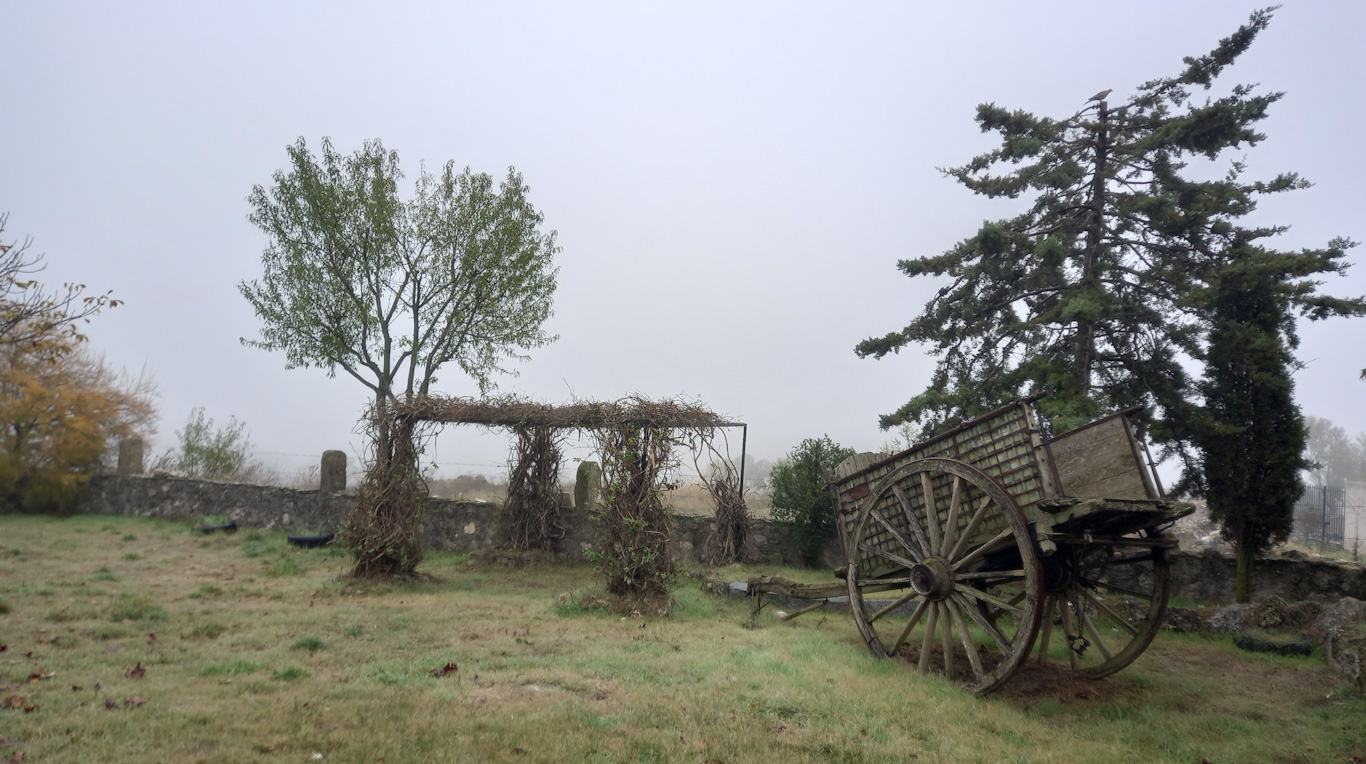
[[731, 185]]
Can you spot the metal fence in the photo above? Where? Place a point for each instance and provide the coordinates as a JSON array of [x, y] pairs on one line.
[[1321, 516]]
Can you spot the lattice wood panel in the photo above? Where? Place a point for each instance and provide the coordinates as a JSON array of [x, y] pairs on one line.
[[1001, 445]]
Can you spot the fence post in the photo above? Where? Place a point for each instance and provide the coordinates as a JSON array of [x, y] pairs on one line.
[[1323, 531]]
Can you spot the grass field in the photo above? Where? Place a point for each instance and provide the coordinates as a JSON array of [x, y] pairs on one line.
[[133, 640]]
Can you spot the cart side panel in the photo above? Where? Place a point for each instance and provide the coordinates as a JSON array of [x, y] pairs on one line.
[[1003, 445], [1101, 460]]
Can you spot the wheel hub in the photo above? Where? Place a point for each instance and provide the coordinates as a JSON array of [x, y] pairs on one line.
[[1060, 572], [932, 578]]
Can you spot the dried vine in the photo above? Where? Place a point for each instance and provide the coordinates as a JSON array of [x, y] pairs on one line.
[[730, 533], [530, 517], [382, 531], [635, 439]]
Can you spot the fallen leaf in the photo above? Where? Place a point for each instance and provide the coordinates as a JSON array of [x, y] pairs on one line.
[[134, 701], [110, 704], [97, 687], [32, 708], [137, 672], [16, 701], [76, 688], [519, 749], [17, 756], [3, 648], [446, 670]]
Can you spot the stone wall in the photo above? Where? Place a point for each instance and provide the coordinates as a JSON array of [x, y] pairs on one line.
[[461, 526], [1209, 576], [467, 526]]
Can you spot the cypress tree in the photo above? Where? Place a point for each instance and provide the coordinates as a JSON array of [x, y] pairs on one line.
[[1250, 433]]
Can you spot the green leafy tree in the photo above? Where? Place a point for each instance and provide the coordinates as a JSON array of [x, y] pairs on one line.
[[1250, 432], [1087, 295], [389, 290], [1335, 458], [801, 494], [212, 453]]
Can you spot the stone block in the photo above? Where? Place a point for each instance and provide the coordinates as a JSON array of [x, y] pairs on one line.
[[1230, 618], [130, 456], [332, 472], [587, 485]]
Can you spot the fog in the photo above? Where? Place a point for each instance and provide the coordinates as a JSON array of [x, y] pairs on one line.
[[732, 185]]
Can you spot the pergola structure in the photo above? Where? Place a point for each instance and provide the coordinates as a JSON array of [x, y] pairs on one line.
[[633, 435]]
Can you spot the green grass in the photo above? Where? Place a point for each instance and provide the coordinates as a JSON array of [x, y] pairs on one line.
[[311, 644], [208, 630], [136, 608], [280, 667], [231, 668], [289, 674]]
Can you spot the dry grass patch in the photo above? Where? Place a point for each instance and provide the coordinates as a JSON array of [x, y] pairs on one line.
[[285, 666]]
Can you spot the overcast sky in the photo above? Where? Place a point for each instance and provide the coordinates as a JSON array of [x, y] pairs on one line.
[[732, 183]]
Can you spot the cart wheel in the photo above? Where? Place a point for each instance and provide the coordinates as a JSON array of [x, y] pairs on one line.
[[1104, 602], [958, 549]]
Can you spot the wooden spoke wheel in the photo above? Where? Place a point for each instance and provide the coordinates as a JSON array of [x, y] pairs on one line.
[[954, 554], [1104, 602]]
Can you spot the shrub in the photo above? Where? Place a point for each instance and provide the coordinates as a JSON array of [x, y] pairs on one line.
[[801, 495], [212, 453]]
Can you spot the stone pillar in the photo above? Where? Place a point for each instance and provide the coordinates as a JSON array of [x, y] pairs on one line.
[[587, 485], [130, 456], [332, 473]]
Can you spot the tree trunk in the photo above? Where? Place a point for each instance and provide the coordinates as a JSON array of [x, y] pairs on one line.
[[1242, 587], [1090, 282]]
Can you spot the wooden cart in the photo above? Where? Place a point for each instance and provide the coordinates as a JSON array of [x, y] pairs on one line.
[[973, 550]]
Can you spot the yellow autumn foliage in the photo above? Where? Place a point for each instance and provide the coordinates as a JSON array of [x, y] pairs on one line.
[[62, 411]]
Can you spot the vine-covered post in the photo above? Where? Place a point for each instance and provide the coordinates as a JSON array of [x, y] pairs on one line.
[[530, 517], [635, 557], [382, 532]]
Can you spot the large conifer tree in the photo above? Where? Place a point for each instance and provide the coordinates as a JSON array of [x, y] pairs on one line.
[[1086, 295]]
